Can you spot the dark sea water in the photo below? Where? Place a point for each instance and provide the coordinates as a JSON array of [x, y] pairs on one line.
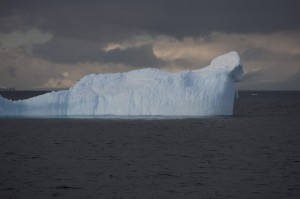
[[253, 154]]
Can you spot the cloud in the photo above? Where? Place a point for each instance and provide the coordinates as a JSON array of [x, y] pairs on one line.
[[254, 75], [68, 50], [25, 39], [266, 58], [34, 72], [290, 83], [116, 20], [258, 51], [142, 56], [39, 40], [11, 71]]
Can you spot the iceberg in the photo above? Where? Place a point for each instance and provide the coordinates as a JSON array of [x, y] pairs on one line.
[[207, 91]]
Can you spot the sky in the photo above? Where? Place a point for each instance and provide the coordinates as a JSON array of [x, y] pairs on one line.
[[52, 44]]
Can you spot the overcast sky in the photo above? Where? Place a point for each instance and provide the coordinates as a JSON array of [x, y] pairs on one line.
[[52, 44]]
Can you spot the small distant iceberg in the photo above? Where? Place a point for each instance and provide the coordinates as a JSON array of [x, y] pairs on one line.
[[147, 92]]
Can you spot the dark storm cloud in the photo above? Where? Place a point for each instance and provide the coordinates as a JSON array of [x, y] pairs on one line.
[[11, 71], [104, 19], [68, 50], [140, 56], [262, 54], [73, 51], [80, 28], [119, 35]]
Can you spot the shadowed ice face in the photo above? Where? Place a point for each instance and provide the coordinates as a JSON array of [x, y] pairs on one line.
[[237, 73]]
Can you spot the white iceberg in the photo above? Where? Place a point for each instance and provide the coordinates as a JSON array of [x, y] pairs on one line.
[[146, 92]]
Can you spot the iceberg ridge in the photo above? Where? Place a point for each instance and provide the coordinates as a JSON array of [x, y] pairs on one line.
[[202, 92]]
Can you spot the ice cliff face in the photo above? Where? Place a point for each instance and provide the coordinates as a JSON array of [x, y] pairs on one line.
[[203, 92]]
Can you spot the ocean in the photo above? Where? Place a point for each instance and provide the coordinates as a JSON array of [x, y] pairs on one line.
[[253, 154]]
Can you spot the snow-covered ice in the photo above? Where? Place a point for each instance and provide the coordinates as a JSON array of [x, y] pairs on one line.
[[202, 92]]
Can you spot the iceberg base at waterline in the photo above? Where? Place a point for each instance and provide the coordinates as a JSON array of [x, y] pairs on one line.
[[203, 92]]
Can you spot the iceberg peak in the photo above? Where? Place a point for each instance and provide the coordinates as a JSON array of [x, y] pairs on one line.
[[228, 60], [230, 63]]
